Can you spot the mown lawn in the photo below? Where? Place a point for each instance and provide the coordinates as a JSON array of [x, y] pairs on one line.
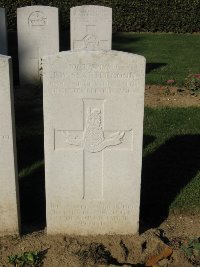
[[169, 56]]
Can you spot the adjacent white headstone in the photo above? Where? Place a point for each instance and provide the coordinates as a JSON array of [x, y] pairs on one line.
[[38, 36], [91, 27], [3, 32], [9, 199], [93, 128]]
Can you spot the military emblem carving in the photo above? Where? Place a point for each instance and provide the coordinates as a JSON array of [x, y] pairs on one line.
[[93, 137], [37, 18]]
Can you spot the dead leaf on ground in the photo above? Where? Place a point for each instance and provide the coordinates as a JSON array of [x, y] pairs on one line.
[[152, 261]]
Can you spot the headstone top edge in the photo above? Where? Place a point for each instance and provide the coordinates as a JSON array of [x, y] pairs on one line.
[[36, 6], [2, 8], [90, 6], [5, 57], [96, 52]]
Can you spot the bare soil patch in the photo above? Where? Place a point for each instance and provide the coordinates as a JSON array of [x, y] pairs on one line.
[[157, 96], [149, 247]]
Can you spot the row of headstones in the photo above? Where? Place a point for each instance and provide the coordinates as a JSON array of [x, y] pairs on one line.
[[38, 35], [93, 125]]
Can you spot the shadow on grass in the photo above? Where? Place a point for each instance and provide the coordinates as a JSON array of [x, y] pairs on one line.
[[165, 172], [125, 42], [32, 201], [31, 183], [65, 41], [153, 66], [30, 154], [147, 140], [30, 150]]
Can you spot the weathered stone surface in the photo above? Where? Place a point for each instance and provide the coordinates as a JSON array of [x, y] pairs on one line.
[[93, 127], [91, 27], [38, 36], [9, 199], [3, 32]]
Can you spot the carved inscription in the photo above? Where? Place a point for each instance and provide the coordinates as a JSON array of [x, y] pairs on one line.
[[37, 19], [4, 137], [93, 91], [100, 214], [92, 79], [92, 11]]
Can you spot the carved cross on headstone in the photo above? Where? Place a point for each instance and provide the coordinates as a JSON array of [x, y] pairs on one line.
[[90, 40], [93, 139]]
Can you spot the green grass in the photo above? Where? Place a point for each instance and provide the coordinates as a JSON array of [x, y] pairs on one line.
[[169, 56], [171, 161]]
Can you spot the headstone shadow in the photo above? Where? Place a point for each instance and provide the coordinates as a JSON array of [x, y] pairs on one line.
[[3, 32], [165, 172], [13, 52], [64, 40], [147, 140], [31, 184], [30, 154], [125, 42], [153, 66], [32, 201]]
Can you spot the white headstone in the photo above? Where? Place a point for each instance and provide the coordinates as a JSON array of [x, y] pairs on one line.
[[91, 27], [9, 199], [3, 32], [38, 36], [93, 128]]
